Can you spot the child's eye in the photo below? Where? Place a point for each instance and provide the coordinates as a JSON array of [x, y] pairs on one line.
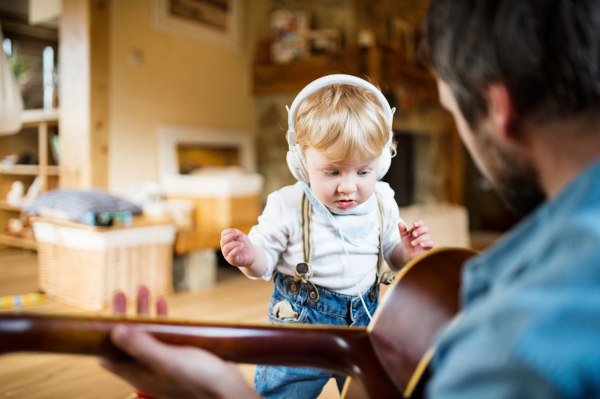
[[363, 173], [332, 172]]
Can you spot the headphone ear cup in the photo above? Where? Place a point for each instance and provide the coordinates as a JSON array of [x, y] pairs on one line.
[[297, 163], [385, 160]]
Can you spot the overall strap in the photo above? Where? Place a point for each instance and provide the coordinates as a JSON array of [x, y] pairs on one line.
[[382, 276], [305, 224], [304, 270], [380, 219]]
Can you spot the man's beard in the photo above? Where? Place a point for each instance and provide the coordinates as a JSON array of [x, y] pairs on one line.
[[514, 179]]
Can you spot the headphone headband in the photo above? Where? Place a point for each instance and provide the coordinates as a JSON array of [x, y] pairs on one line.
[[329, 80], [295, 156]]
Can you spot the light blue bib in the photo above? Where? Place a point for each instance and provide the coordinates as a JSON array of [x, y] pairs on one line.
[[355, 224]]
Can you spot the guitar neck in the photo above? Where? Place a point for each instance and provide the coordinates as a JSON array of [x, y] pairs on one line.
[[341, 350], [334, 349]]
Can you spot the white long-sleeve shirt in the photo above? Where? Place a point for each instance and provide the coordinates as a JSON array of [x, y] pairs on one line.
[[278, 234]]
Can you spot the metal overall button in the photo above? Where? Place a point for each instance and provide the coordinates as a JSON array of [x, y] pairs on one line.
[[313, 293], [294, 286]]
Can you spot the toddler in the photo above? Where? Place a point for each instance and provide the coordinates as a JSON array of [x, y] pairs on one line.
[[323, 240]]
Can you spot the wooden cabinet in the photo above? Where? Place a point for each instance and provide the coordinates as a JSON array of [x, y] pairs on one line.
[[33, 139]]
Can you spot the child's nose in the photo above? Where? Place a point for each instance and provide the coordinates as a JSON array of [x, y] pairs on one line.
[[347, 186]]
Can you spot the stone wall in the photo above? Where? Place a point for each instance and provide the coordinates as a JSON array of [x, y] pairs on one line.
[[271, 142]]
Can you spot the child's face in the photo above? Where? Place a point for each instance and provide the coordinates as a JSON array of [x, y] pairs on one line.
[[341, 185]]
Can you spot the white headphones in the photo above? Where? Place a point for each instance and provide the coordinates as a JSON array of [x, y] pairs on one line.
[[295, 156]]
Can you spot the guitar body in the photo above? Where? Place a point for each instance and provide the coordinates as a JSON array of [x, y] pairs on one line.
[[423, 300], [384, 360]]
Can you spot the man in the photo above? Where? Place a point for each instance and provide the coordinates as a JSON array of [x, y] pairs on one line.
[[522, 80]]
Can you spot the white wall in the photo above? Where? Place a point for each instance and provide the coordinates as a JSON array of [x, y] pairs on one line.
[[156, 78]]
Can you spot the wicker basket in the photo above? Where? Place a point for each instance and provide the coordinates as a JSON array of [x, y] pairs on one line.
[[84, 267]]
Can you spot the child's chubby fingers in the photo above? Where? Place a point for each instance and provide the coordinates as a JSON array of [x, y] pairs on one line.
[[229, 248], [424, 238], [420, 230], [418, 223], [403, 229], [228, 231], [233, 257], [229, 235], [427, 244]]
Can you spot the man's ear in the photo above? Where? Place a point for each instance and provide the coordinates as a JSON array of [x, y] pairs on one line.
[[501, 111]]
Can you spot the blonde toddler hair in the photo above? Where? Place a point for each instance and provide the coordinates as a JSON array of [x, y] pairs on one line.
[[342, 121]]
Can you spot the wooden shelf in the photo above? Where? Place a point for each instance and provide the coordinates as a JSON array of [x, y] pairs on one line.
[[33, 117], [19, 169], [20, 242], [280, 78], [8, 207], [29, 170], [387, 68], [42, 120]]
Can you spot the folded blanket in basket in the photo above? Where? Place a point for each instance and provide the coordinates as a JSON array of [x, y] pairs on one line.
[[74, 204]]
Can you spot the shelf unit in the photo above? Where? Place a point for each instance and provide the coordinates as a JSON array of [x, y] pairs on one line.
[[42, 120], [4, 205], [386, 67], [272, 78], [31, 170]]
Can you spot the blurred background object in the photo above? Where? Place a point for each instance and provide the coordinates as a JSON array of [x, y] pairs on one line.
[[11, 103]]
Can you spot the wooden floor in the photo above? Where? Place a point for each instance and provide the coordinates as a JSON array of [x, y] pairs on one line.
[[24, 376]]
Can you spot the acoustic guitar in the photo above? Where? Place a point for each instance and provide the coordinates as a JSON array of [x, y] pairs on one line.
[[387, 359]]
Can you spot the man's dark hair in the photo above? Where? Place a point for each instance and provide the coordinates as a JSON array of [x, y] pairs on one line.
[[547, 53]]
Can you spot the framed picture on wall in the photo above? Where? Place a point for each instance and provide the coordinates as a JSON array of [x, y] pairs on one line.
[[217, 22]]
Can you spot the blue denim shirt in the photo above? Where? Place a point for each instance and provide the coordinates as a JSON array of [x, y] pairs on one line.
[[531, 308]]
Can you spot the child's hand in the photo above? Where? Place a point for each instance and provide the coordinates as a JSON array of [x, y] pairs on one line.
[[417, 240], [237, 248]]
